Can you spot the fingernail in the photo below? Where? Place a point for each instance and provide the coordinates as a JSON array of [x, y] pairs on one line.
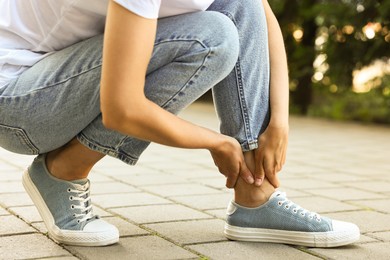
[[250, 180], [258, 182]]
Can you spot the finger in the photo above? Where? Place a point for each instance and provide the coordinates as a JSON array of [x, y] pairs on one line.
[[274, 181], [284, 157], [272, 177], [231, 180], [279, 164], [246, 174], [259, 172]]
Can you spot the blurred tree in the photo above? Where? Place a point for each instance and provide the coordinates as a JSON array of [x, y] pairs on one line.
[[297, 20], [326, 40]]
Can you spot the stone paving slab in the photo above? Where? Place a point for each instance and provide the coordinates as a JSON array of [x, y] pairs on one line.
[[384, 236], [111, 187], [11, 225], [142, 247], [159, 213], [170, 190], [245, 250], [381, 205], [30, 246], [367, 238], [205, 202], [128, 199], [101, 212], [373, 186], [339, 177], [218, 213], [15, 199], [172, 204], [208, 230], [149, 180], [3, 212], [125, 228], [216, 182], [379, 251], [308, 184], [10, 175], [27, 213], [349, 194], [11, 187]]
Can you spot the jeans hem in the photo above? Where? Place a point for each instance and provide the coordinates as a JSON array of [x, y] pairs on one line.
[[249, 146], [107, 151]]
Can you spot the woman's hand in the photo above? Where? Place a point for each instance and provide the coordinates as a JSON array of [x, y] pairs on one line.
[[229, 159], [271, 154]]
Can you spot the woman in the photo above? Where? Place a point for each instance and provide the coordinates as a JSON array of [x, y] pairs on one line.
[[73, 95]]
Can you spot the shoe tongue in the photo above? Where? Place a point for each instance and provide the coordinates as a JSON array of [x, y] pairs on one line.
[[80, 184], [80, 181], [277, 194]]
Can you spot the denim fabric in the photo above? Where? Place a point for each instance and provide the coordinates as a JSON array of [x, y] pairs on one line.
[[242, 98], [278, 213], [226, 47]]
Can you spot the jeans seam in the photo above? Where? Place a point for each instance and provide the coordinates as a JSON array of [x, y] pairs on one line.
[[23, 137], [195, 75], [250, 143], [67, 78]]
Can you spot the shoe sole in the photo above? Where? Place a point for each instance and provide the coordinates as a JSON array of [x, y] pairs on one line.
[[309, 239], [69, 237]]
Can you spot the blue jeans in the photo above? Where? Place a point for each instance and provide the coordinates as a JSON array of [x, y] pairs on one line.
[[224, 48]]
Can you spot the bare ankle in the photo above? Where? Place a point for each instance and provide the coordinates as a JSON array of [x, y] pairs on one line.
[[248, 195], [58, 168], [252, 196], [72, 161]]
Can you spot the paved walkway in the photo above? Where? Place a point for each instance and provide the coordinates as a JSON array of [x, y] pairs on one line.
[[172, 204]]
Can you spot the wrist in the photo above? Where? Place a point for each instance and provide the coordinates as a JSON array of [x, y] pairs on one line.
[[279, 122], [220, 143]]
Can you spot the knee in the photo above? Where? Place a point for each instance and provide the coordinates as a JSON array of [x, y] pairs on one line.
[[223, 41]]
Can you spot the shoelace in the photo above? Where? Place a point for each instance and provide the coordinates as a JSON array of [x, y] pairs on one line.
[[82, 195], [297, 209]]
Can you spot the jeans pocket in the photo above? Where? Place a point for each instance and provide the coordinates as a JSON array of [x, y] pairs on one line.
[[15, 139]]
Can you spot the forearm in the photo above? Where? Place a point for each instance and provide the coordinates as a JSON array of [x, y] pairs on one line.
[[152, 123], [279, 90], [128, 45]]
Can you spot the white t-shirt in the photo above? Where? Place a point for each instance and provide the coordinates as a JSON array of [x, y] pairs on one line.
[[33, 29]]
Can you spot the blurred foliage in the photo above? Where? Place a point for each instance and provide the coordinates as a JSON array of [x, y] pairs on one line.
[[326, 41], [372, 106]]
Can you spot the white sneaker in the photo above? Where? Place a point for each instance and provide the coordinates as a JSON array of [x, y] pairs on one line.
[[282, 221]]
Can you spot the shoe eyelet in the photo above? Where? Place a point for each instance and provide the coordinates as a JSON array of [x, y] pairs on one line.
[[318, 220], [280, 203], [74, 215], [286, 207], [71, 198], [72, 206], [302, 214], [78, 221], [295, 211], [68, 190]]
